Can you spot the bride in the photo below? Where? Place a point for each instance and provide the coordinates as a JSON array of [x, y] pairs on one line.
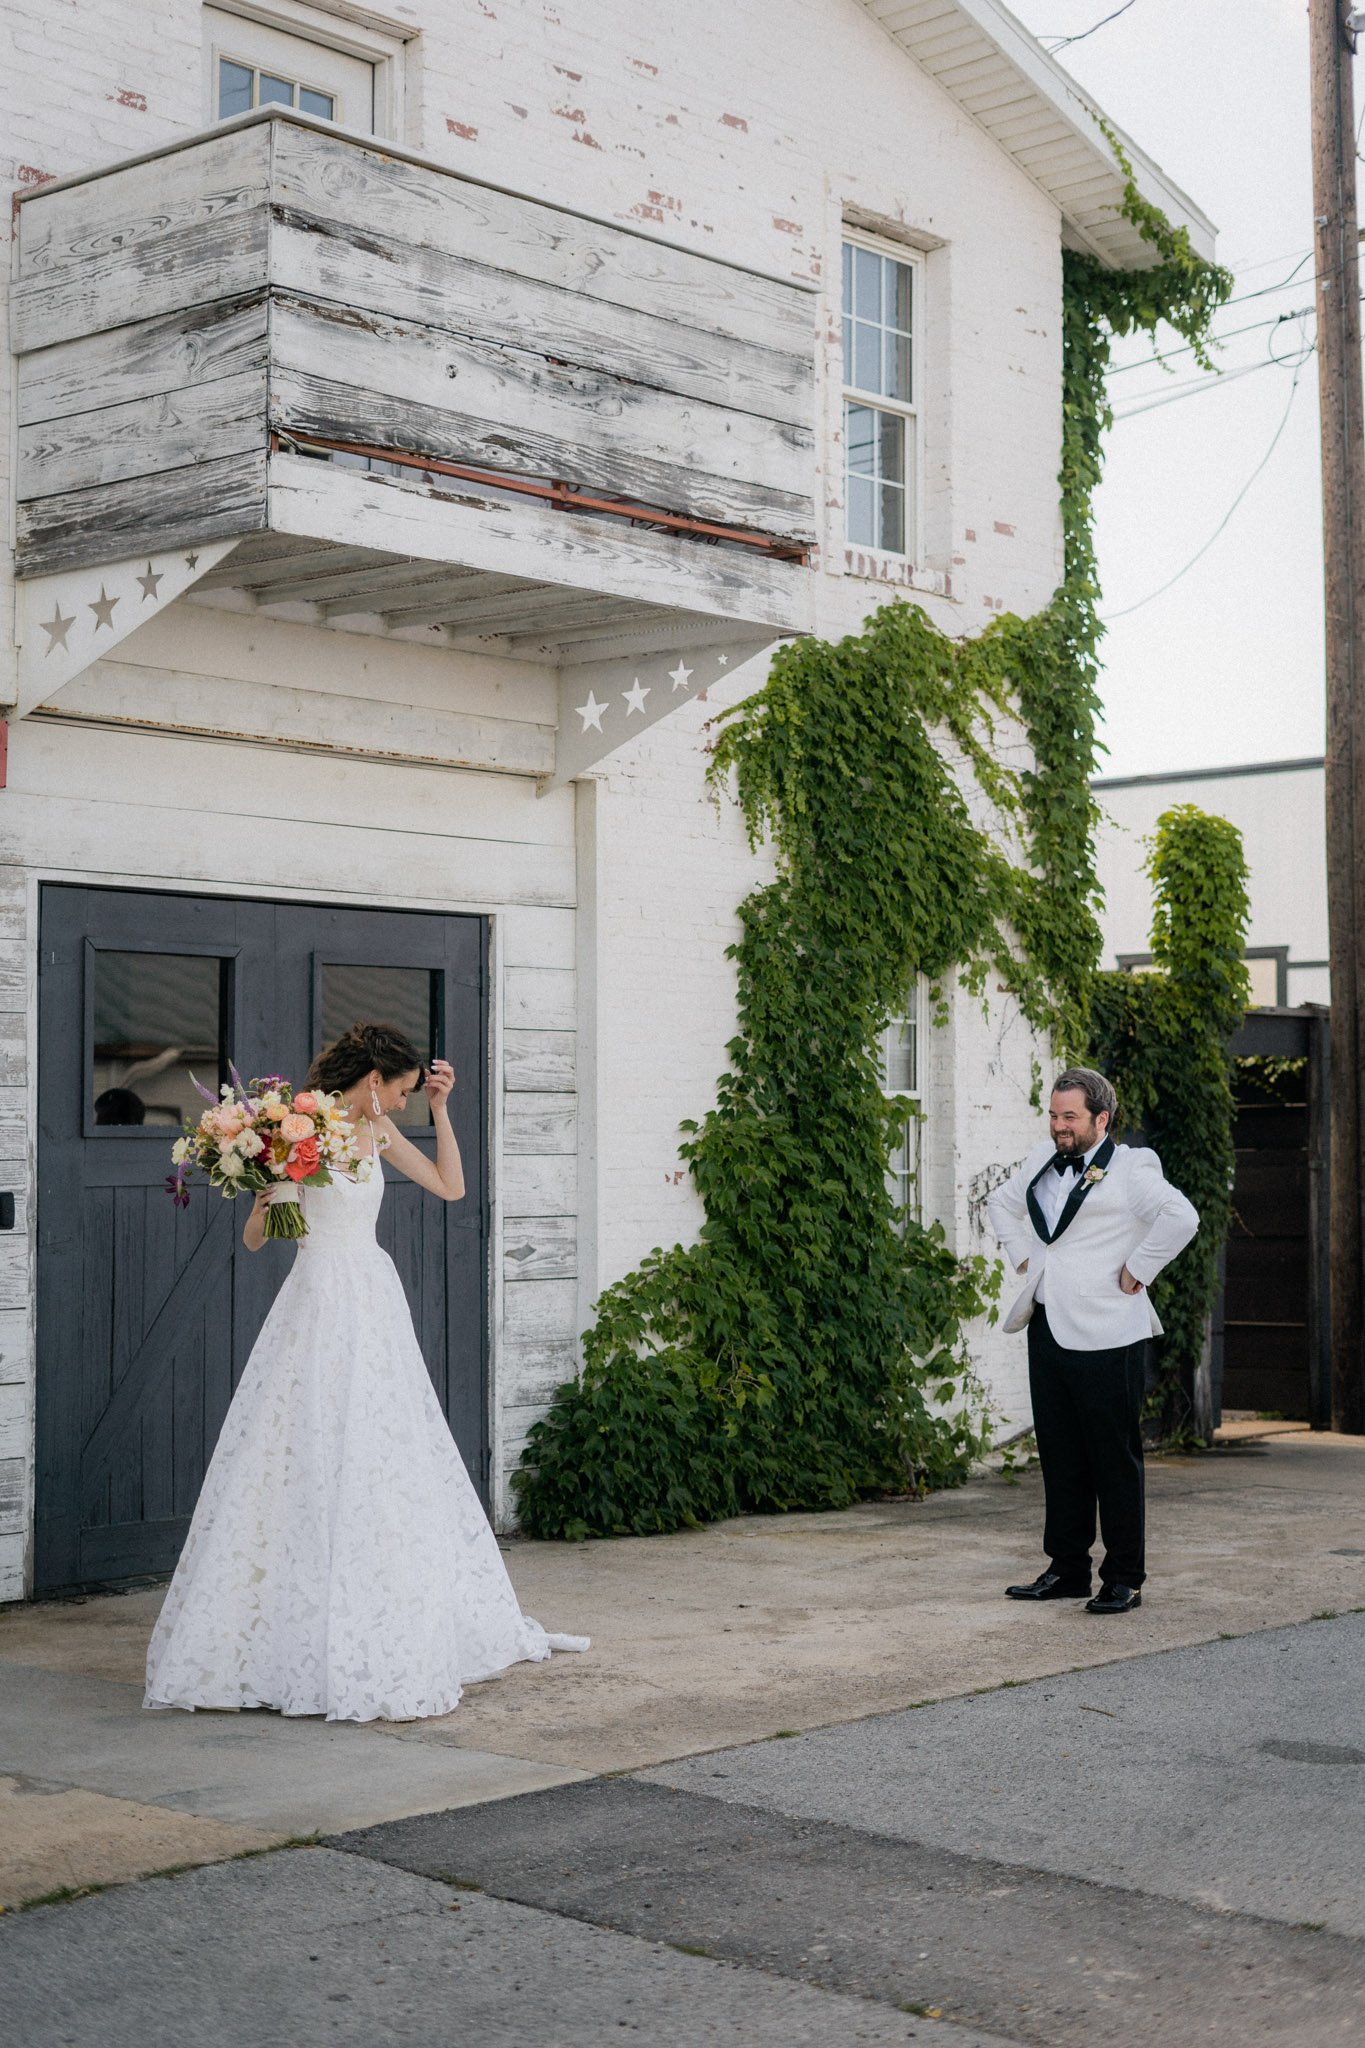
[[339, 1562]]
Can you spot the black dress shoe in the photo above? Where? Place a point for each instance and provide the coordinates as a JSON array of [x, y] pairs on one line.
[[1051, 1586], [1114, 1600]]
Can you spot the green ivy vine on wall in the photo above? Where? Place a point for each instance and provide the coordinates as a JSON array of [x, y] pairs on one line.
[[807, 1350], [1162, 1038]]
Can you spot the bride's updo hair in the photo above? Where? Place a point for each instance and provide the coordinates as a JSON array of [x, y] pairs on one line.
[[365, 1049]]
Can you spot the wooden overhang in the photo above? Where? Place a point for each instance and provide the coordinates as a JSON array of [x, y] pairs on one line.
[[316, 369]]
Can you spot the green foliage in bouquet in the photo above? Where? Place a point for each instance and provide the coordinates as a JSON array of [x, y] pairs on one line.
[[1163, 1039], [808, 1350]]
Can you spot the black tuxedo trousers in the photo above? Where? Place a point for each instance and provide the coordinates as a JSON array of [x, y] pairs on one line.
[[1087, 1417]]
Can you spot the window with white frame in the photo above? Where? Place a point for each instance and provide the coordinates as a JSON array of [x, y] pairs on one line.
[[902, 1052], [254, 63], [882, 315]]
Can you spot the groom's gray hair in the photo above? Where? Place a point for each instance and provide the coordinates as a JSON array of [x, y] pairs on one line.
[[1099, 1093]]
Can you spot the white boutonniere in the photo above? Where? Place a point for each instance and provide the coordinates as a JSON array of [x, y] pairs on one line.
[[1093, 1175]]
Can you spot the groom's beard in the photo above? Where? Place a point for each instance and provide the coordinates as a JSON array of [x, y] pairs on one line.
[[1075, 1141]]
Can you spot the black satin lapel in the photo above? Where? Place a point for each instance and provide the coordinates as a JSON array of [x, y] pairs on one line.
[[1035, 1207], [1082, 1188]]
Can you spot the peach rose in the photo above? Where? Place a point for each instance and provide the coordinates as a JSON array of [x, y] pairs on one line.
[[293, 1129], [306, 1103]]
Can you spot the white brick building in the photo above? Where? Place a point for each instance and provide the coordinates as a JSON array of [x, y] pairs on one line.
[[1280, 809], [328, 589]]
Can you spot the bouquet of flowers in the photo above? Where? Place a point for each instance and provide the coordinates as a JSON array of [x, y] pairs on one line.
[[264, 1134]]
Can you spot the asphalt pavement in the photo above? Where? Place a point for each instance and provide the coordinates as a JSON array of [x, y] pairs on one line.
[[1164, 1849]]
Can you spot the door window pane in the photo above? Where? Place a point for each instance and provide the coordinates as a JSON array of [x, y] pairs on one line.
[[311, 102], [406, 997], [159, 1017], [276, 92]]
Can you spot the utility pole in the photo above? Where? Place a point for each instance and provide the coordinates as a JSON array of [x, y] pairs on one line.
[[1332, 28]]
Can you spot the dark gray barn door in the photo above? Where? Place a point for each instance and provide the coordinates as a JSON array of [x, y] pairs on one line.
[[147, 1313]]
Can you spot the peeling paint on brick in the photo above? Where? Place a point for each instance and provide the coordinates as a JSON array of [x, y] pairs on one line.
[[734, 121], [127, 97], [520, 112], [786, 227], [971, 533], [462, 128], [1001, 527], [578, 115], [29, 174], [643, 64], [564, 72], [588, 141]]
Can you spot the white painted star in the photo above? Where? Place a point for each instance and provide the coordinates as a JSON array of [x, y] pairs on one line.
[[103, 608], [591, 713], [724, 660], [679, 676], [635, 698], [57, 629], [150, 581]]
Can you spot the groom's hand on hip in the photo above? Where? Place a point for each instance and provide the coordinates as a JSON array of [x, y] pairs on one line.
[[1128, 1283]]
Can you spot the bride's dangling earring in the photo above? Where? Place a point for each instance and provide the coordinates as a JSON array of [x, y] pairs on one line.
[[374, 1101]]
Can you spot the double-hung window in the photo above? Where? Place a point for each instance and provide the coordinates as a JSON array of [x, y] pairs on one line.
[[881, 431], [902, 1056]]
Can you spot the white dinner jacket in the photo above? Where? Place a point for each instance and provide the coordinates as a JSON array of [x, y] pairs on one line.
[[1133, 1217]]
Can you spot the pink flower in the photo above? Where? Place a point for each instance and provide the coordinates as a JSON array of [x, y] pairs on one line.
[[306, 1103], [296, 1128]]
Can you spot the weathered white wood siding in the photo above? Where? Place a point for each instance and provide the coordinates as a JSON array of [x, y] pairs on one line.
[[362, 298]]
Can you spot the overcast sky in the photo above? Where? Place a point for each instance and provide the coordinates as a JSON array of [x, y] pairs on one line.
[[1226, 666]]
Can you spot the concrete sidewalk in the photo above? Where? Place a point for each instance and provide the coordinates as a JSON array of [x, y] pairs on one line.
[[710, 1638]]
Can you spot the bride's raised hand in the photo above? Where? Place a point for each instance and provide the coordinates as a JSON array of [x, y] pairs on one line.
[[439, 1082]]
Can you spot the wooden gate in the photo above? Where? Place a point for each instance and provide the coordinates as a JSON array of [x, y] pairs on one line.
[[1275, 1335], [146, 1312]]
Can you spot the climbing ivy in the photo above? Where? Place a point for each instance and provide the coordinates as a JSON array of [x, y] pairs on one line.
[[808, 1349], [1162, 1038]]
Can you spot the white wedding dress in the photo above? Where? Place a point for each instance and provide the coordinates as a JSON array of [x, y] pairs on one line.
[[339, 1561]]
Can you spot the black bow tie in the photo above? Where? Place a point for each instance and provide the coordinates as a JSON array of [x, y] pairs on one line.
[[1063, 1162]]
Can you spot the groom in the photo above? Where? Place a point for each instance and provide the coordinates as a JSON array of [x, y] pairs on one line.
[[1088, 1224]]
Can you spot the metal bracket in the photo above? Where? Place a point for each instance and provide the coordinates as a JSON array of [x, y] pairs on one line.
[[65, 622]]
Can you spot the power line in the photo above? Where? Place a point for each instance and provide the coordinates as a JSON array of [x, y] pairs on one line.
[[1218, 382], [1252, 327], [1056, 43], [1263, 292], [1223, 523]]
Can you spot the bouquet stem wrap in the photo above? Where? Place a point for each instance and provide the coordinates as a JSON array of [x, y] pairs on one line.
[[284, 1214]]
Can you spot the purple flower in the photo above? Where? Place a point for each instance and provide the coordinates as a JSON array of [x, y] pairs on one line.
[[176, 1189]]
